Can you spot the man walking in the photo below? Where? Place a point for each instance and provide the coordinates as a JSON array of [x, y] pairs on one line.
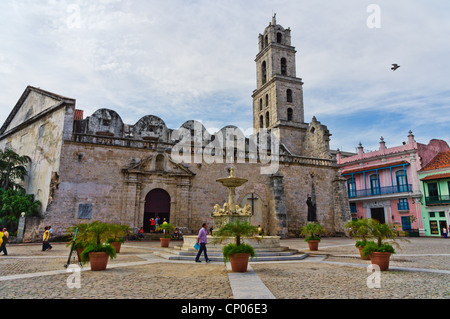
[[201, 240]]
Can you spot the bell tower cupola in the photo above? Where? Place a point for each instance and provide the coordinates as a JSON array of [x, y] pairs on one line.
[[278, 98]]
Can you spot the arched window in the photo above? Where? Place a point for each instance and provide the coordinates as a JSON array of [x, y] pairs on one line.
[[267, 100], [289, 95], [260, 104], [264, 72], [261, 121], [266, 40], [267, 119], [351, 187], [402, 181], [283, 66], [279, 37], [289, 114], [375, 184]]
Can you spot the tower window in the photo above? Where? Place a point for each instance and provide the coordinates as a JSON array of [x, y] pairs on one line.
[[289, 114], [267, 119], [283, 66], [260, 104], [266, 40], [279, 37], [261, 121], [264, 72], [289, 95], [267, 100]]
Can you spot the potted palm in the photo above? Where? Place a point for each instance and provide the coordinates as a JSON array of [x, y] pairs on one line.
[[118, 234], [237, 253], [80, 239], [360, 230], [380, 251], [167, 229], [97, 251], [312, 232]]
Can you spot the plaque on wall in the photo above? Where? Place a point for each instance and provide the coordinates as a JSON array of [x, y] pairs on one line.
[[85, 211], [434, 227]]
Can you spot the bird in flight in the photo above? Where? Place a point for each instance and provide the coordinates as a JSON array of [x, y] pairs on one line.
[[395, 66]]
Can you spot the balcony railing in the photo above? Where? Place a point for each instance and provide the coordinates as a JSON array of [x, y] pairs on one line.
[[437, 200], [376, 191]]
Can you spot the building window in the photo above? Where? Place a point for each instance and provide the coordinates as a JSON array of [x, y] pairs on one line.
[[261, 121], [402, 204], [159, 164], [279, 37], [432, 214], [264, 72], [289, 95], [351, 187], [267, 119], [289, 114], [433, 192], [266, 40], [283, 66], [260, 104], [402, 181], [375, 185], [353, 208]]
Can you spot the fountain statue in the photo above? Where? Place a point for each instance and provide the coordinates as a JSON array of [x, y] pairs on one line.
[[230, 212]]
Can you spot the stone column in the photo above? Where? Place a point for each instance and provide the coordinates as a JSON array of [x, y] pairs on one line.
[[278, 205], [21, 229]]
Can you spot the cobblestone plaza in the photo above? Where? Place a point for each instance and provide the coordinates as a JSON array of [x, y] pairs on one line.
[[419, 270]]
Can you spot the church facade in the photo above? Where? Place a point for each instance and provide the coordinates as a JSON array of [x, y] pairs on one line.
[[99, 168]]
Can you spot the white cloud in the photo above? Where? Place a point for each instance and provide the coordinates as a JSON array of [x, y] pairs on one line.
[[183, 60]]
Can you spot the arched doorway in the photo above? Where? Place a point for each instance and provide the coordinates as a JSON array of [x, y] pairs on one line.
[[157, 204]]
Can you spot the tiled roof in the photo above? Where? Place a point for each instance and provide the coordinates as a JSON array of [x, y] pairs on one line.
[[439, 161], [436, 176]]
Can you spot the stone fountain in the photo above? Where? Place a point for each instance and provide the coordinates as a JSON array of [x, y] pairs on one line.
[[230, 212]]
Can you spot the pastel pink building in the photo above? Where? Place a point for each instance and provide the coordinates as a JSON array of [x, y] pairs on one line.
[[384, 184]]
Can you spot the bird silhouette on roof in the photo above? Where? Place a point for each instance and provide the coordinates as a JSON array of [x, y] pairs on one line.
[[395, 66]]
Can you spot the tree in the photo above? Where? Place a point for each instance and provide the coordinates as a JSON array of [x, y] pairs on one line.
[[14, 202], [12, 168]]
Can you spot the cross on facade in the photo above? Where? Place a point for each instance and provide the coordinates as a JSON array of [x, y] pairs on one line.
[[252, 199]]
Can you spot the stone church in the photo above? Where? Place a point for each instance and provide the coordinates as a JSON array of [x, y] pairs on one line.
[[99, 168]]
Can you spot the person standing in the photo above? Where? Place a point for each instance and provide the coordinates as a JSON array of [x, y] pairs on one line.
[[444, 232], [202, 241], [1, 238], [45, 244], [5, 240]]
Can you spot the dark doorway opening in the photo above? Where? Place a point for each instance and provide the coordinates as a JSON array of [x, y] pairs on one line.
[[157, 204], [378, 214]]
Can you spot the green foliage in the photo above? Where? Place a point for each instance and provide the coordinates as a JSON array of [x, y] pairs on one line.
[[12, 169], [13, 202], [237, 230], [372, 246], [312, 231], [96, 233], [359, 229], [167, 228], [117, 233], [231, 249], [96, 248]]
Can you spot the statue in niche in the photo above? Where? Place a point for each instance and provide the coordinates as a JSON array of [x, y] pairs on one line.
[[311, 209]]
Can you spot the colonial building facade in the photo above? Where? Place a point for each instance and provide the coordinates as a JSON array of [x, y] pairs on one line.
[[384, 184], [99, 168], [435, 186]]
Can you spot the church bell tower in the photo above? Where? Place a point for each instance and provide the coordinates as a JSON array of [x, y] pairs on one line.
[[278, 98]]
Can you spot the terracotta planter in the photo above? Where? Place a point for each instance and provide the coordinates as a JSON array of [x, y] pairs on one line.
[[313, 244], [116, 245], [79, 251], [361, 254], [381, 259], [165, 242], [239, 262], [98, 261]]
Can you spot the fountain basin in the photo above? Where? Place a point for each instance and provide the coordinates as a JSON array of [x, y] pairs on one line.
[[264, 242]]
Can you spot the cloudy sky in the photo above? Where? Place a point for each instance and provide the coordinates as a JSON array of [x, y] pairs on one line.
[[187, 59]]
